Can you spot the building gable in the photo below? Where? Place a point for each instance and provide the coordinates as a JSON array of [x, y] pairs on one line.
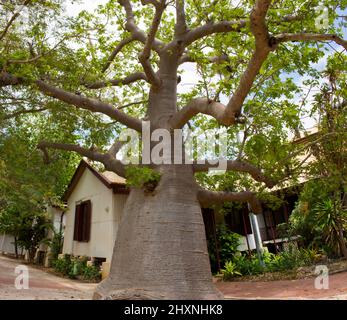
[[117, 185]]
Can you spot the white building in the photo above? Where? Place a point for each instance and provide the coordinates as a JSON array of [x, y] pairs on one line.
[[95, 204], [7, 244]]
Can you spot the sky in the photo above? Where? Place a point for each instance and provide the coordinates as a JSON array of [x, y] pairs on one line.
[[190, 75]]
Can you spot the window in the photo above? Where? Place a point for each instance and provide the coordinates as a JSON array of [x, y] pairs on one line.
[[237, 220], [83, 215]]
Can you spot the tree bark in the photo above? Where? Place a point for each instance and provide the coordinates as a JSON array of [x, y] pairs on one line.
[[342, 243], [161, 250], [16, 247]]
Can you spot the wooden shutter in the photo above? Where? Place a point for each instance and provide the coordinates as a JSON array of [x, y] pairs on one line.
[[87, 217], [77, 227], [246, 221]]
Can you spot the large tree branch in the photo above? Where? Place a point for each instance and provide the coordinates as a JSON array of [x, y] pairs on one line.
[[115, 148], [228, 115], [234, 105], [201, 105], [206, 30], [208, 198], [264, 45], [79, 101], [211, 28], [117, 50], [144, 57], [240, 166], [308, 37], [118, 82], [136, 32], [7, 79], [109, 161], [181, 24], [89, 104], [262, 49]]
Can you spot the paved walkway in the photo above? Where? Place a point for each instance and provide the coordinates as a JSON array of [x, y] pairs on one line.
[[42, 285], [46, 286]]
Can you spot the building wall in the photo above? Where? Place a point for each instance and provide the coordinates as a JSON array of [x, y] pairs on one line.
[[105, 218], [118, 207], [55, 218], [243, 243], [250, 237], [55, 215], [7, 244]]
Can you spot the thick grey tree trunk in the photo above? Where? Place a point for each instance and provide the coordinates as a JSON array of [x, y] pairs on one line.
[[161, 251]]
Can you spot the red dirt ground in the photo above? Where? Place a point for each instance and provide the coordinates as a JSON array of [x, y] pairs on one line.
[[286, 289]]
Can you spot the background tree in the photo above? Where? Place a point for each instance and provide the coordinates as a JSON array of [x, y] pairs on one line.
[[245, 51], [10, 223], [27, 186], [320, 215]]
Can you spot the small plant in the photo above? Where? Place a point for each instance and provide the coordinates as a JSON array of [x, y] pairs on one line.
[[331, 220], [76, 267], [91, 273], [283, 261], [142, 178], [310, 256], [228, 243], [230, 271], [63, 265], [56, 245], [248, 265]]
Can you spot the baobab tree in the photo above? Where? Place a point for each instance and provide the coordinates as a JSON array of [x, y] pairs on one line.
[[239, 48]]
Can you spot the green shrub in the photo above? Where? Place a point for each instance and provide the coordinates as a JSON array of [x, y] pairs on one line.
[[310, 256], [142, 178], [248, 265], [63, 265], [228, 243], [283, 261], [291, 259], [319, 216], [230, 271], [76, 267], [91, 273], [56, 245]]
